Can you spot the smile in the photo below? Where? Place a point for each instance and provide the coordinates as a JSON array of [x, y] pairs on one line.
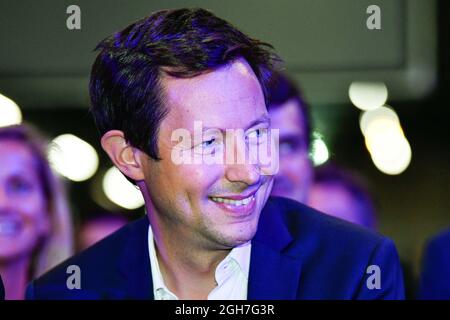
[[238, 206], [232, 202]]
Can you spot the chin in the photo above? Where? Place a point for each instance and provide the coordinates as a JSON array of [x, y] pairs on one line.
[[239, 236]]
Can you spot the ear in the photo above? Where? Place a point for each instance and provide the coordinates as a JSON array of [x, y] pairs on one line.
[[125, 157]]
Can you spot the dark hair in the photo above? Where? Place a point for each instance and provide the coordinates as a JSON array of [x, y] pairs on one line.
[[280, 90], [125, 88], [332, 174]]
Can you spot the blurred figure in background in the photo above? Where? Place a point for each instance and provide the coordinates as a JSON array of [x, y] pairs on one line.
[[342, 194], [435, 278], [97, 226], [289, 113], [35, 223], [335, 191]]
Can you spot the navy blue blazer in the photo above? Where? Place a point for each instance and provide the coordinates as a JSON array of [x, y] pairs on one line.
[[297, 253], [435, 278]]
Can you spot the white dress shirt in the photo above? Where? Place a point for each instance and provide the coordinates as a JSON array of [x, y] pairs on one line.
[[231, 274]]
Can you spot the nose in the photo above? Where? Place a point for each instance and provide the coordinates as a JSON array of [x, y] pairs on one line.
[[245, 173], [241, 169]]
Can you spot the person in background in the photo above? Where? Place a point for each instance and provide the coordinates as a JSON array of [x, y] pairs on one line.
[[435, 277], [330, 189], [288, 112], [98, 226], [340, 193], [343, 194], [35, 223]]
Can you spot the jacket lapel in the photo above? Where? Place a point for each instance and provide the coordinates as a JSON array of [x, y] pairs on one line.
[[134, 264], [274, 273]]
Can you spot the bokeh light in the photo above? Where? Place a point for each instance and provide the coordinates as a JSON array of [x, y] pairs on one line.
[[384, 137], [10, 113], [368, 95], [120, 191], [394, 158], [73, 157], [382, 114], [319, 150]]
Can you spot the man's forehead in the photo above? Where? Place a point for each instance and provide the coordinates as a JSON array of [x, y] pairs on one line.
[[222, 119], [227, 97], [233, 82]]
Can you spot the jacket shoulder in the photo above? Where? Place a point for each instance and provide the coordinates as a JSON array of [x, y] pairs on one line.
[[304, 222], [96, 264], [338, 257]]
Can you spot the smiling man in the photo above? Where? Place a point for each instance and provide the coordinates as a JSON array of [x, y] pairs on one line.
[[211, 230]]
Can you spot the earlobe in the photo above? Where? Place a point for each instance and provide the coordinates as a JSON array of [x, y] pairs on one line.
[[122, 154]]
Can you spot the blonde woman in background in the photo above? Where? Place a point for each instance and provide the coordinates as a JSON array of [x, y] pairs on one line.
[[35, 223]]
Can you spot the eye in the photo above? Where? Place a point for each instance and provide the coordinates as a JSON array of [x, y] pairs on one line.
[[209, 146], [257, 136], [18, 185], [254, 134], [208, 143], [291, 145]]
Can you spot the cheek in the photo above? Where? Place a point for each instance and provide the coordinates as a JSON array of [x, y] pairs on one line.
[[35, 215], [35, 224], [33, 207], [187, 184], [202, 178], [298, 162]]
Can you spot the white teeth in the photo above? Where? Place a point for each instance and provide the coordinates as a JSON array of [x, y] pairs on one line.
[[236, 203]]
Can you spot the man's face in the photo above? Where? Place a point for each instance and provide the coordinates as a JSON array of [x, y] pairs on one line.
[[294, 177], [216, 206]]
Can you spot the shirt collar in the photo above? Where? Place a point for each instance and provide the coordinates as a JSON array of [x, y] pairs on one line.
[[239, 256], [236, 262], [158, 281]]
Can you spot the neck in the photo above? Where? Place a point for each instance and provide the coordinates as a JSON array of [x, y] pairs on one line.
[[15, 278], [189, 276], [187, 267]]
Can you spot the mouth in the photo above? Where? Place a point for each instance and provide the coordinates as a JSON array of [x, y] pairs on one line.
[[236, 205]]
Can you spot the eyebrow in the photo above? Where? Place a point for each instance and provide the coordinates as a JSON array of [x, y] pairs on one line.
[[263, 119]]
